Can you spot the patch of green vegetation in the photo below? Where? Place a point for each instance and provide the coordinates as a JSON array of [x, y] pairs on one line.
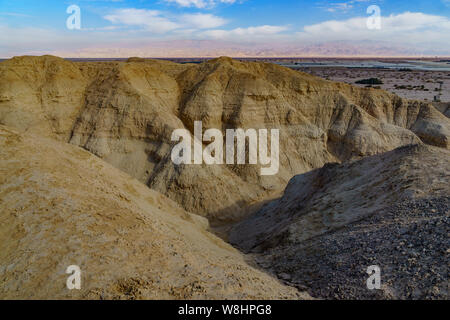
[[370, 81]]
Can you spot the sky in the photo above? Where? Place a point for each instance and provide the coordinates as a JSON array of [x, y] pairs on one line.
[[237, 28]]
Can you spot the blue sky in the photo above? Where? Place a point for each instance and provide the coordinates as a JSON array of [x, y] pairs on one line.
[[233, 27]]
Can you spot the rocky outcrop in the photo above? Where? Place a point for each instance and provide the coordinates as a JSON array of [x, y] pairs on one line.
[[125, 112], [42, 95]]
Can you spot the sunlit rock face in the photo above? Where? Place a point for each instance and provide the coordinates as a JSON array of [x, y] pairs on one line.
[[125, 113]]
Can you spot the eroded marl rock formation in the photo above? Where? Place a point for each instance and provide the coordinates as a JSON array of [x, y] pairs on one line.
[[62, 206], [125, 113]]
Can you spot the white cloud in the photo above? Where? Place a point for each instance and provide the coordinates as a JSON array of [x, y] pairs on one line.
[[200, 3], [15, 14], [203, 21], [190, 3], [402, 34], [156, 22], [343, 6], [414, 28], [245, 33], [150, 19]]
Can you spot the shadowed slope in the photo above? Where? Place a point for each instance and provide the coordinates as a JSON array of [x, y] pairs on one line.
[[390, 210]]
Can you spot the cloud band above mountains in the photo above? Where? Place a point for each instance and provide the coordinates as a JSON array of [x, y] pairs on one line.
[[146, 32]]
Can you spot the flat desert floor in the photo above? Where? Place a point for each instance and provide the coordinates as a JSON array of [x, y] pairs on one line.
[[406, 84]]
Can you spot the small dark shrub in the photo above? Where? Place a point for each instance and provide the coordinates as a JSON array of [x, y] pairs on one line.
[[369, 81]]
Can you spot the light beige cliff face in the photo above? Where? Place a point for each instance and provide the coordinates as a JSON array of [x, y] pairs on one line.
[[125, 112], [41, 95], [62, 206]]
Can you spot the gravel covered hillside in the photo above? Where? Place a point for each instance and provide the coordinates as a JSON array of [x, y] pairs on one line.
[[409, 241], [390, 210]]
